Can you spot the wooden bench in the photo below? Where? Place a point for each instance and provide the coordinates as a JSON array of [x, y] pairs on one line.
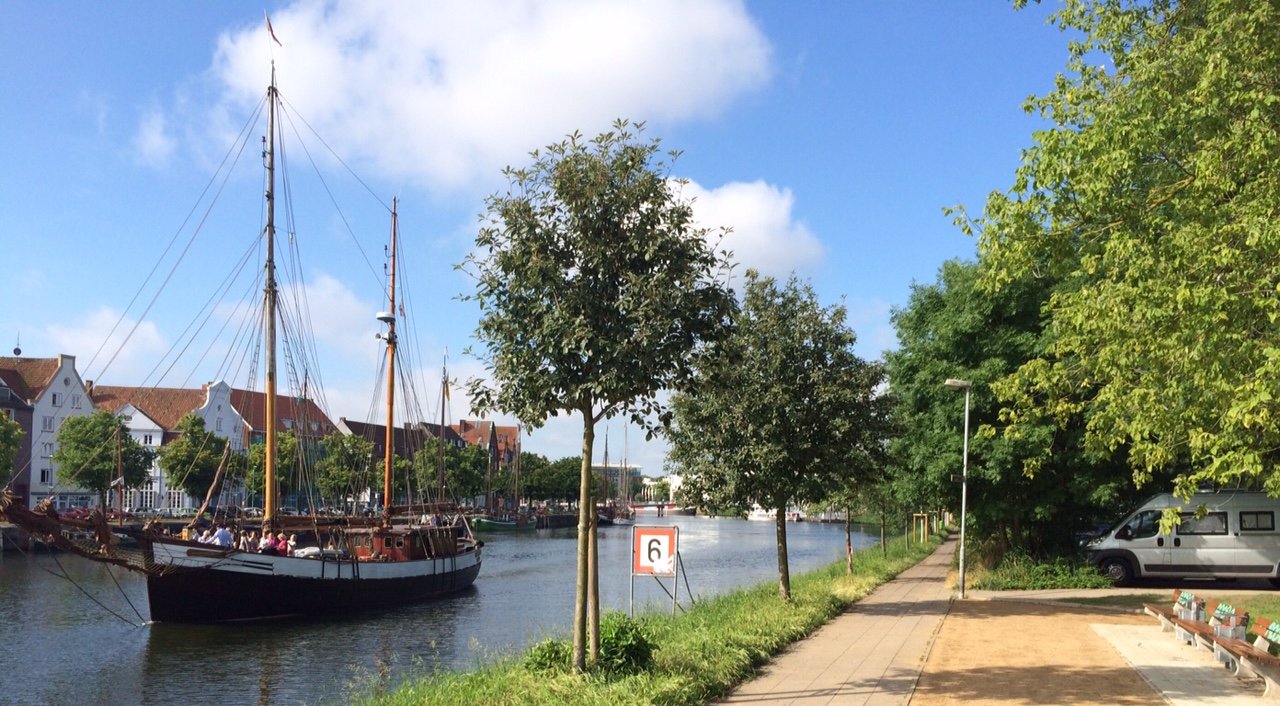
[[1254, 659], [1182, 601]]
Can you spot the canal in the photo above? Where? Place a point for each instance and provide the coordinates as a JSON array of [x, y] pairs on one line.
[[80, 641]]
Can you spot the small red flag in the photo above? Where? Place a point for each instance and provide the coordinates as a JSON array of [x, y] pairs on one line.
[[270, 31]]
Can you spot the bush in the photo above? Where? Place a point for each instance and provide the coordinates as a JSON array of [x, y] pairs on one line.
[[1022, 572], [624, 645], [550, 655]]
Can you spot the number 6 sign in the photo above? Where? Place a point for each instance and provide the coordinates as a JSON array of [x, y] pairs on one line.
[[653, 550]]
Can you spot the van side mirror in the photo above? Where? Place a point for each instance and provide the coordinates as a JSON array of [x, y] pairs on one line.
[[1124, 533]]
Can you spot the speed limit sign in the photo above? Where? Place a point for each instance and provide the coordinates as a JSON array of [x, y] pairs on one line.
[[654, 549]]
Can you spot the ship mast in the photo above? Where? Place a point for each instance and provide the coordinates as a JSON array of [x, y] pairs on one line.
[[389, 318], [271, 491]]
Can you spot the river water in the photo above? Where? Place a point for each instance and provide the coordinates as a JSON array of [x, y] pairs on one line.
[[63, 645]]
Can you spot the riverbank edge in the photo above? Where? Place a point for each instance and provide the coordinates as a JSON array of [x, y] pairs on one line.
[[699, 655]]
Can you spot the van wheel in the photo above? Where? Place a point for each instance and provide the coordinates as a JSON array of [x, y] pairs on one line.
[[1117, 570]]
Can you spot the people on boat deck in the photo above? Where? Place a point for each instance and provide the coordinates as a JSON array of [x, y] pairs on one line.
[[267, 545], [249, 541], [293, 543], [282, 545], [221, 536], [206, 537]]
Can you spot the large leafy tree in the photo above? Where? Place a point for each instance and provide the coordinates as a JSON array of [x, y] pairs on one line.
[[556, 480], [1154, 199], [288, 458], [595, 288], [769, 419], [345, 469], [191, 461], [10, 440], [95, 450], [953, 329]]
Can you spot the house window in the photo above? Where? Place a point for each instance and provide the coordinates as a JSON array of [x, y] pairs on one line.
[[57, 399], [75, 401], [46, 423], [146, 439], [1212, 523], [46, 449], [218, 424], [1261, 521], [46, 475], [288, 423]]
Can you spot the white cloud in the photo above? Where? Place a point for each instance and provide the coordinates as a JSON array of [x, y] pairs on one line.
[[447, 93], [765, 234], [117, 361], [152, 143]]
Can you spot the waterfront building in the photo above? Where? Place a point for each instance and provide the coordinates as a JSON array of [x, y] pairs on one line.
[[53, 390], [14, 408]]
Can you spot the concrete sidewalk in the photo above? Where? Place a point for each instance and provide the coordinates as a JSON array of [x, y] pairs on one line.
[[875, 651], [870, 654]]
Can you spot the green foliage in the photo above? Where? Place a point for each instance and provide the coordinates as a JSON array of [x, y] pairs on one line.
[[1152, 201], [191, 461], [94, 451], [775, 413], [288, 470], [556, 480], [347, 466], [549, 655], [10, 440], [624, 645], [1019, 571], [955, 329]]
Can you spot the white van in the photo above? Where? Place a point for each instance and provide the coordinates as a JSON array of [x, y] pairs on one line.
[[1236, 538]]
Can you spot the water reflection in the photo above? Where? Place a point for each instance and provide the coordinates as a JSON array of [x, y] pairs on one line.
[[80, 653]]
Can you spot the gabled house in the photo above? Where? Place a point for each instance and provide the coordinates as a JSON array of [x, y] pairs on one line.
[[298, 415], [13, 407], [152, 415], [54, 391]]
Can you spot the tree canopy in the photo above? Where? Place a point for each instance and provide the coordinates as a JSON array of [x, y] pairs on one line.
[[190, 461], [10, 440], [95, 450], [1153, 202], [771, 417], [595, 289]]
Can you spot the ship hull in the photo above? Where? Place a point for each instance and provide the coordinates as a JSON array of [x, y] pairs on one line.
[[205, 586]]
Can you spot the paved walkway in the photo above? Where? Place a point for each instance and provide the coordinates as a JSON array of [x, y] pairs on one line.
[[870, 654], [874, 652]]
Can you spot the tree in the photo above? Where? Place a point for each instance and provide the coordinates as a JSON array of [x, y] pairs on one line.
[[954, 329], [345, 469], [10, 440], [554, 481], [595, 288], [1153, 200], [191, 461], [94, 451], [287, 460], [769, 418]]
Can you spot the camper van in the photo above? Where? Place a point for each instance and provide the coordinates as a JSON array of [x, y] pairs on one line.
[[1237, 537]]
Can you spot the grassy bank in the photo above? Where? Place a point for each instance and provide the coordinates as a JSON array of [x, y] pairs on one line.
[[696, 656]]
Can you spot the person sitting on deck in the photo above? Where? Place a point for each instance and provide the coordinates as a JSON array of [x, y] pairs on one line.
[[282, 545], [293, 543], [268, 543], [249, 541], [222, 537]]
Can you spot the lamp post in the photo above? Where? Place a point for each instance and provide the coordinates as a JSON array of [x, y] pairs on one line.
[[954, 384]]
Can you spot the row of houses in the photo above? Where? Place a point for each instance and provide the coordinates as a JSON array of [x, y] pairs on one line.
[[41, 393]]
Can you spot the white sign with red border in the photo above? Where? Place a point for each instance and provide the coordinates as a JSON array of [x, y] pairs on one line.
[[654, 550]]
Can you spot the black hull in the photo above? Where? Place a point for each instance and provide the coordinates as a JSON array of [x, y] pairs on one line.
[[211, 596]]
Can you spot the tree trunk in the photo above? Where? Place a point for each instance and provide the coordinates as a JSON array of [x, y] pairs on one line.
[[593, 592], [884, 544], [848, 541], [784, 572], [585, 508]]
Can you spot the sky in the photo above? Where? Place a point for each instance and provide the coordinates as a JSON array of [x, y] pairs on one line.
[[829, 136]]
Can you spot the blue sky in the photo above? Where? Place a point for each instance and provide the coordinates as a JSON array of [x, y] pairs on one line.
[[829, 136]]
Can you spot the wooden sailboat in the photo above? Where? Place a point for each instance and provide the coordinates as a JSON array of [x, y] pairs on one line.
[[358, 562]]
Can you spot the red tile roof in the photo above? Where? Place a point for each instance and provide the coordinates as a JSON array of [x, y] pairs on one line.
[[28, 377], [166, 405], [301, 412]]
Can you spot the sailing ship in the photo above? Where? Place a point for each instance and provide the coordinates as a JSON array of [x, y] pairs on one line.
[[358, 562]]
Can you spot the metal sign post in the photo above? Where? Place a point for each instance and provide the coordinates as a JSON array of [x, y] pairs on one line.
[[654, 551]]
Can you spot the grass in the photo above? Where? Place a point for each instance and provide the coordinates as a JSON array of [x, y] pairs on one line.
[[1021, 572], [697, 656]]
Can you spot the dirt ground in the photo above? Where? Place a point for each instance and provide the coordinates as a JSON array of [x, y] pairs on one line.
[[1007, 652]]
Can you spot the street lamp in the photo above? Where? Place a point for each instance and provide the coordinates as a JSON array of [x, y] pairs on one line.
[[954, 384]]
